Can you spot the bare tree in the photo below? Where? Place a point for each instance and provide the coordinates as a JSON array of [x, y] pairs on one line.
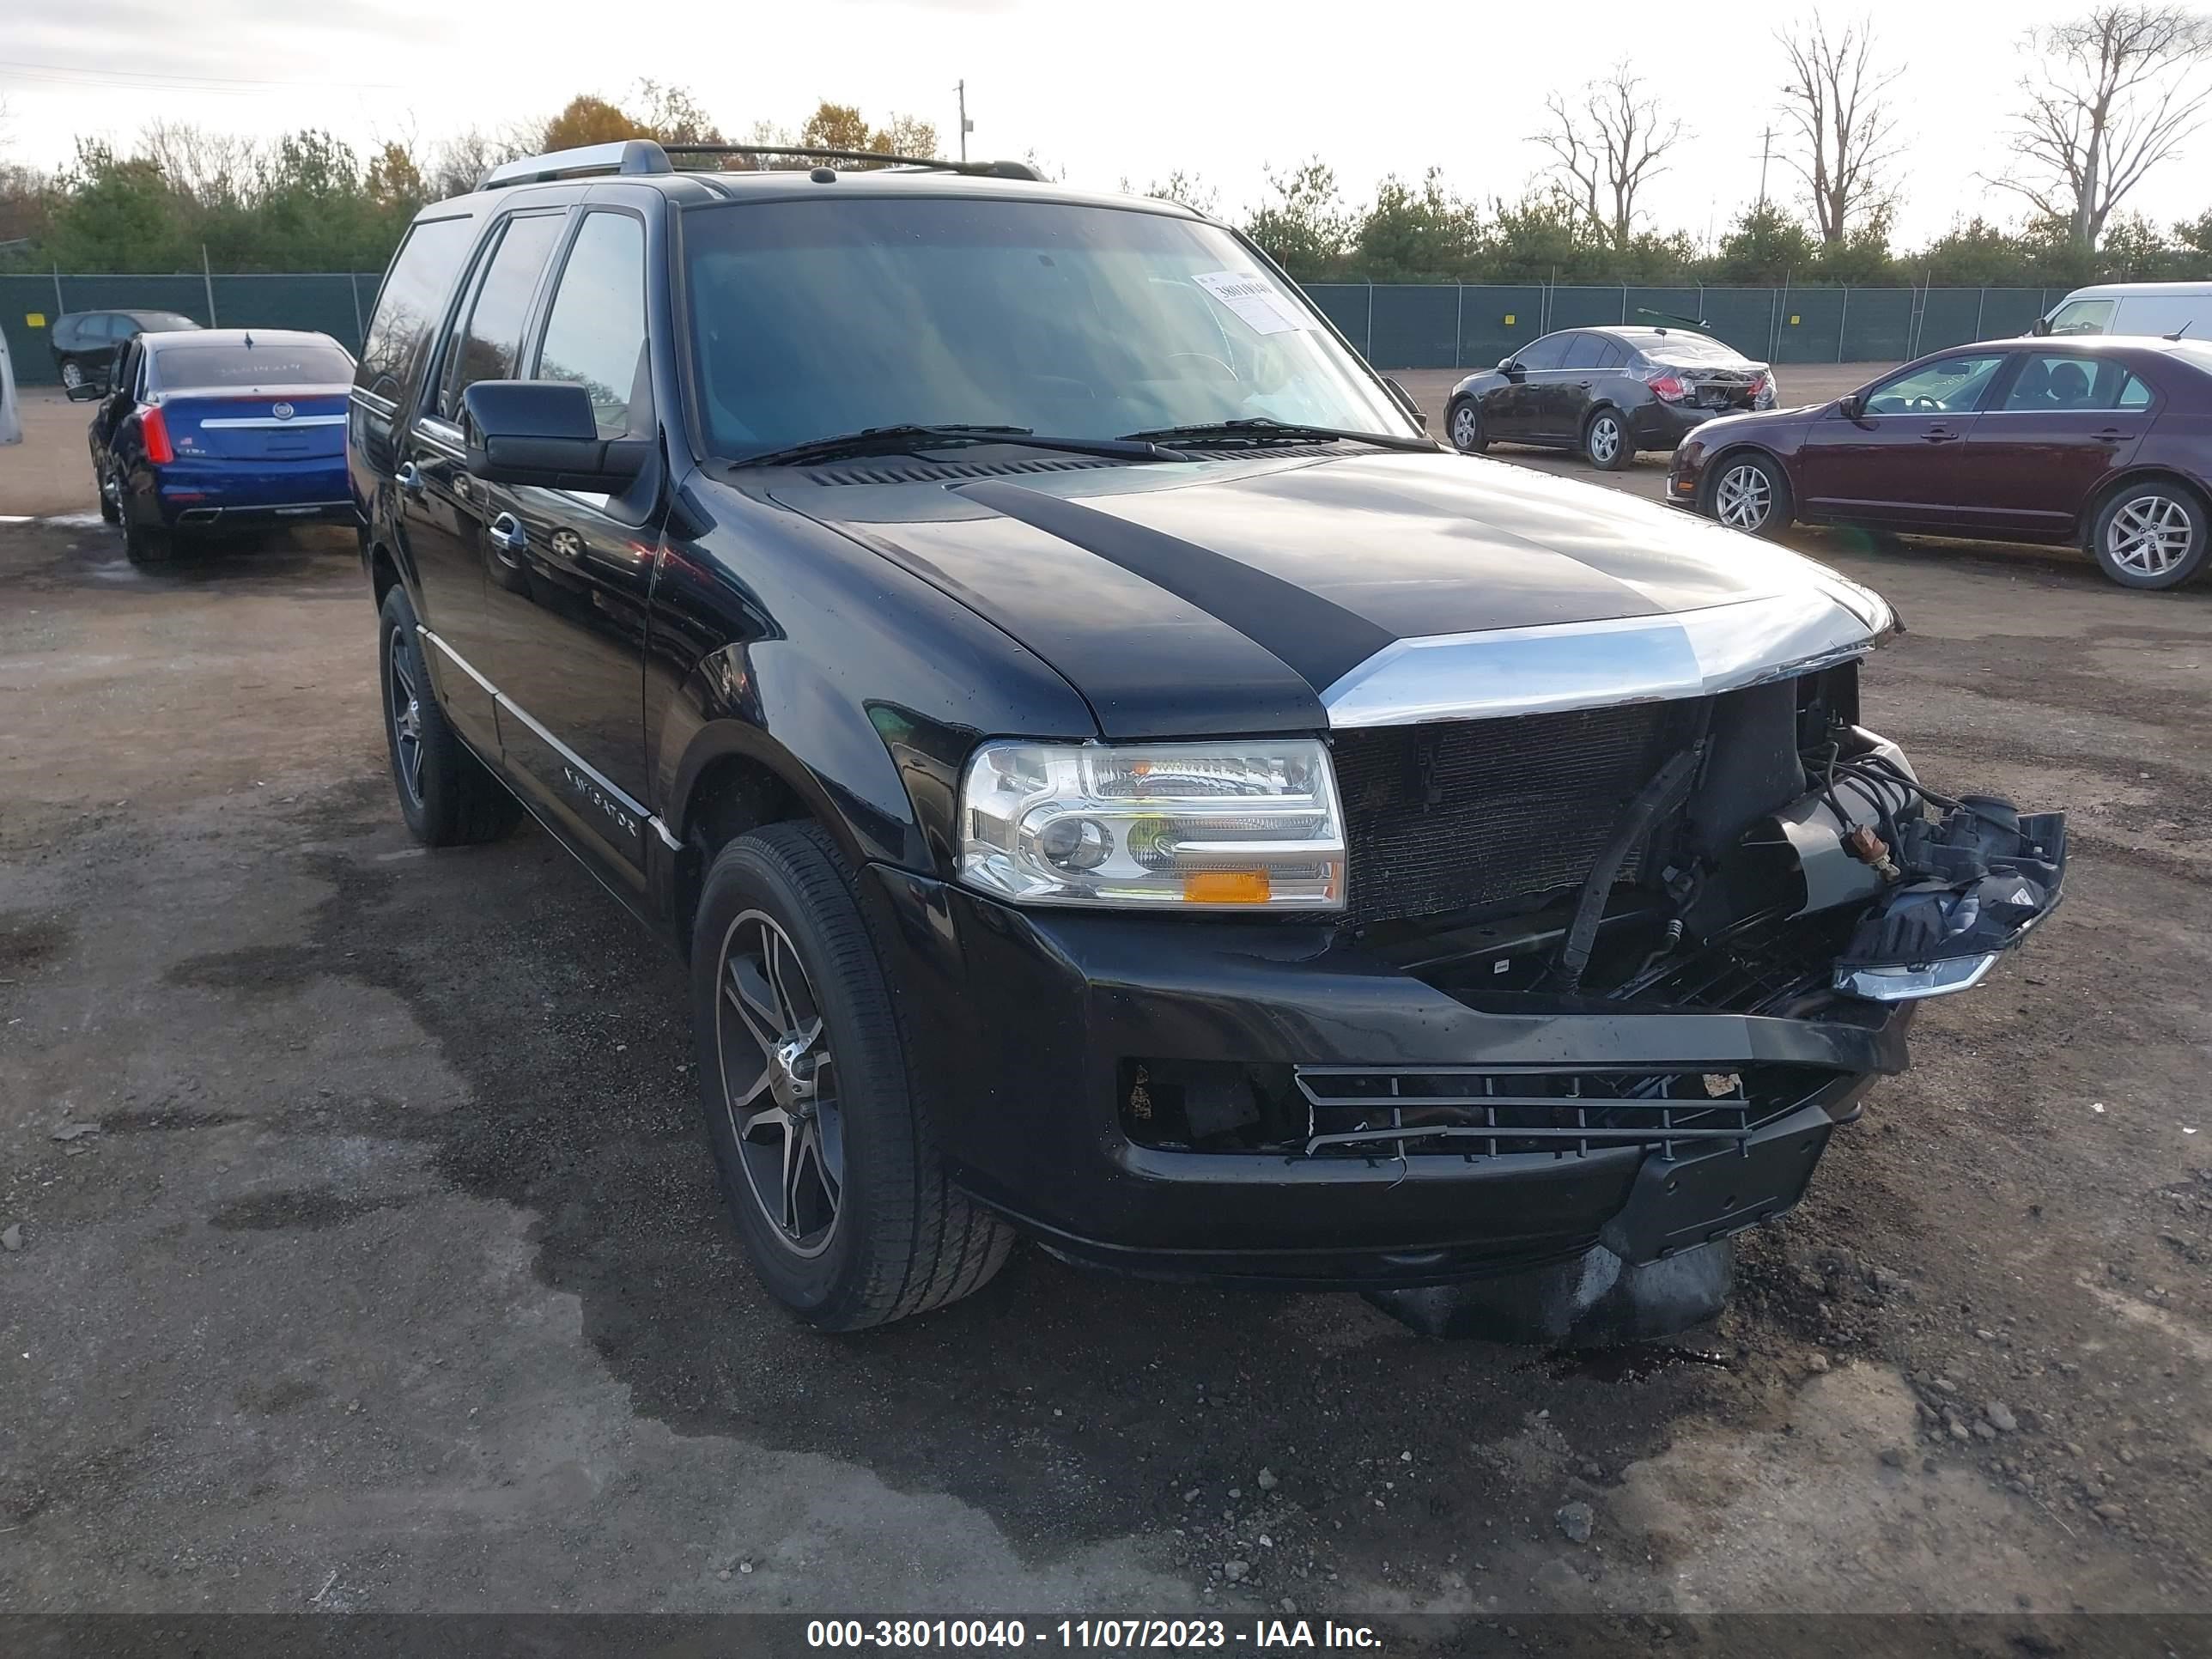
[[1605, 145], [2115, 94], [1836, 99]]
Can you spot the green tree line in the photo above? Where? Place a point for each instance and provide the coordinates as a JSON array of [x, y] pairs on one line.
[[310, 201]]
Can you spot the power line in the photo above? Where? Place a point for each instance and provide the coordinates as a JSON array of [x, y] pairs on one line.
[[70, 74]]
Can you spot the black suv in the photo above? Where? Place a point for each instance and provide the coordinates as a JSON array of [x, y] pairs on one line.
[[1114, 778]]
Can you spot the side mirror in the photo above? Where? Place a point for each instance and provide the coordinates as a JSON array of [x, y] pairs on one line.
[[543, 432], [2042, 327], [1507, 366], [1851, 406], [85, 391], [1406, 402]]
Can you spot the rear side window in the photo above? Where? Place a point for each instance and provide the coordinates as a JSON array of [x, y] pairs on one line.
[[490, 341], [595, 333], [1586, 351], [2055, 383], [412, 301]]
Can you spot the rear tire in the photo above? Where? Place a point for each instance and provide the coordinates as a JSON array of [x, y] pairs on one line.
[[2152, 535], [448, 796], [1463, 426], [142, 546], [1606, 442], [820, 1127], [1749, 493], [111, 498], [72, 373]]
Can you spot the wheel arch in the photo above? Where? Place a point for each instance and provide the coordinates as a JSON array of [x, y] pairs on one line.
[[2093, 509], [734, 778], [1715, 465]]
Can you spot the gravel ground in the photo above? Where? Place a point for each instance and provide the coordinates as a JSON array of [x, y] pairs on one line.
[[361, 1251]]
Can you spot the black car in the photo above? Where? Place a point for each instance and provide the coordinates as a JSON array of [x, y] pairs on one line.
[[1607, 393], [85, 342], [1113, 778]]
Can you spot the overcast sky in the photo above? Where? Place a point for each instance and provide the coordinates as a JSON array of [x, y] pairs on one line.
[[1225, 89]]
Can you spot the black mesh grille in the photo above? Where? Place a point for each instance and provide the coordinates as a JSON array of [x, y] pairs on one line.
[[1462, 813]]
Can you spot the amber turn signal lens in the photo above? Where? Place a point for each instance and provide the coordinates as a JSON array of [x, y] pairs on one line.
[[1225, 887]]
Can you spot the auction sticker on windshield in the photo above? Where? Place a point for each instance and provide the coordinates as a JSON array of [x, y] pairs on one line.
[[1255, 299]]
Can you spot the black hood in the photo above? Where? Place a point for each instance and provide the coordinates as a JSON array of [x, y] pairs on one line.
[[1219, 596]]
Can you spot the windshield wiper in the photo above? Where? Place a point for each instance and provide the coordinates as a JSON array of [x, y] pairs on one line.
[[1260, 429], [902, 438]]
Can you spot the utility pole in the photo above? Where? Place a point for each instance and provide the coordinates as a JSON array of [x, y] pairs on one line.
[[967, 126], [1766, 148]]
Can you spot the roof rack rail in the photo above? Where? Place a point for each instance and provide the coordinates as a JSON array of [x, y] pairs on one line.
[[927, 163], [627, 156], [637, 156]]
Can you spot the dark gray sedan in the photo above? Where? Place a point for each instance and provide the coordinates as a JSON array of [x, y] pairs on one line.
[[1606, 392]]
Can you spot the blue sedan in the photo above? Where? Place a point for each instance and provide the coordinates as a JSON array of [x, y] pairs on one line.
[[219, 430]]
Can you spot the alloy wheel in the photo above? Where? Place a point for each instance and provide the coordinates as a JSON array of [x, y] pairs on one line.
[[1466, 426], [2149, 536], [779, 1084], [1743, 497], [72, 376], [1604, 439], [406, 717]]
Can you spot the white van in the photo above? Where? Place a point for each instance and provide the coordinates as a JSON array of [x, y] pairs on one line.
[[2134, 309]]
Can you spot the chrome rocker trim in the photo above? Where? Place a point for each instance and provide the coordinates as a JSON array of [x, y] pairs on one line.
[[1597, 664], [615, 791]]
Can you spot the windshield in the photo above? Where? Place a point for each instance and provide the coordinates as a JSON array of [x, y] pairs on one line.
[[812, 318], [237, 366], [1690, 348]]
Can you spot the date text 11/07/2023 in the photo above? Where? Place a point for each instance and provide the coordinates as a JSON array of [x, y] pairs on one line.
[[1091, 1635]]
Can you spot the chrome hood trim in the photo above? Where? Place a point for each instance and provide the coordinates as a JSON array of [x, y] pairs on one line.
[[1543, 670]]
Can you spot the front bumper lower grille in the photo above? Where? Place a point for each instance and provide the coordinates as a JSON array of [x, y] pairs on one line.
[[1487, 1111]]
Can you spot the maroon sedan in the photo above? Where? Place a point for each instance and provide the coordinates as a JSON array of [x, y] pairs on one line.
[[2106, 442]]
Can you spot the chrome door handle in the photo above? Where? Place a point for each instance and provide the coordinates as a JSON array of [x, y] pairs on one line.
[[506, 534], [1938, 435], [409, 478]]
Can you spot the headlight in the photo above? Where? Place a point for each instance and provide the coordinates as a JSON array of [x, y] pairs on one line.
[[1203, 826]]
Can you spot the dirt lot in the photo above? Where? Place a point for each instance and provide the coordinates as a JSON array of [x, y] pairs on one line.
[[369, 1257]]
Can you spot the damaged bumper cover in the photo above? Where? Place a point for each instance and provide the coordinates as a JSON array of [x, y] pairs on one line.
[[1274, 1101]]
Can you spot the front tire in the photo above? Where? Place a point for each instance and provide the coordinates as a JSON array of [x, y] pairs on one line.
[[820, 1131], [1606, 441], [1749, 493], [2152, 535], [448, 796], [1463, 426]]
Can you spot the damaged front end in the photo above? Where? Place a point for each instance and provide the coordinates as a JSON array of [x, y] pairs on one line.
[[1614, 881]]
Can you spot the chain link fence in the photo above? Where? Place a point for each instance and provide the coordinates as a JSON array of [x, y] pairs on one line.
[[335, 303], [1472, 326], [1395, 325]]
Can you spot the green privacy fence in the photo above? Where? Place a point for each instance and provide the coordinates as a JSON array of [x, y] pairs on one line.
[[336, 303], [1472, 325], [1396, 325]]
